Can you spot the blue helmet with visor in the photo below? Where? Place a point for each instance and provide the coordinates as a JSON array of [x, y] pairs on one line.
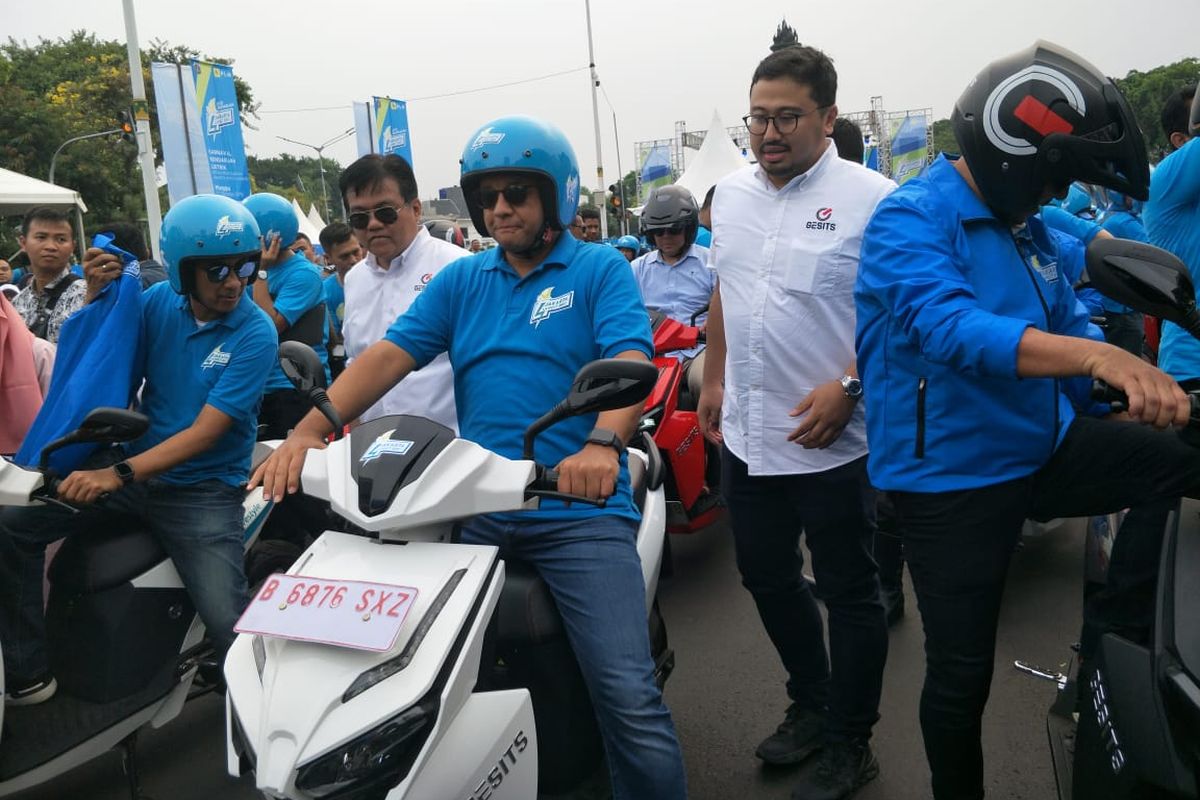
[[205, 226]]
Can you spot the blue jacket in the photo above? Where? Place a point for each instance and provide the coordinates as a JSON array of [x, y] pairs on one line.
[[945, 292]]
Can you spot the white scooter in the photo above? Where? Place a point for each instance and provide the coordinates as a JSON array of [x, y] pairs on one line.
[[123, 639], [402, 663]]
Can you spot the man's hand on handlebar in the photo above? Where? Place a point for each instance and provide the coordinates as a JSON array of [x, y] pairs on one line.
[[1154, 396], [86, 486], [280, 473], [591, 473]]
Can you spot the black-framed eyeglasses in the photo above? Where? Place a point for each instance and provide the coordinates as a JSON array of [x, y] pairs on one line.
[[515, 194], [674, 230], [385, 214], [785, 123], [219, 273]]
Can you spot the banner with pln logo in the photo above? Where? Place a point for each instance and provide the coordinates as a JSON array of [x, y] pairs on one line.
[[201, 130], [381, 126], [216, 98]]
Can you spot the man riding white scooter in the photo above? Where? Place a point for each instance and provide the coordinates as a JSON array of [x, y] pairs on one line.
[[204, 374], [518, 322]]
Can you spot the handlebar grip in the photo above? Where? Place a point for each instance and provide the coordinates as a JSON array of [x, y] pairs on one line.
[[51, 484], [1103, 393]]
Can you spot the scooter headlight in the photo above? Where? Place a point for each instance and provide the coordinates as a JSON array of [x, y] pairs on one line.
[[368, 766]]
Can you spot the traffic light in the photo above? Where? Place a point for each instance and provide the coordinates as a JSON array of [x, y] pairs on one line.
[[614, 197], [125, 124]]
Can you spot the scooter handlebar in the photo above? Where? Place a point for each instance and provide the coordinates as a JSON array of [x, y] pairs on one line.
[[1103, 393], [545, 485]]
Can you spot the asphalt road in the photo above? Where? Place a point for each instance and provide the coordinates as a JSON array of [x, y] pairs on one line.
[[727, 692]]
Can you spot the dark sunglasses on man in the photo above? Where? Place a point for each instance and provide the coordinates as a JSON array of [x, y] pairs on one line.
[[385, 214], [218, 272], [674, 230], [515, 194]]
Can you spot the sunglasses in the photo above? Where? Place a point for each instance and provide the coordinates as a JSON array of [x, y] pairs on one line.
[[515, 194], [385, 214], [218, 273], [674, 230]]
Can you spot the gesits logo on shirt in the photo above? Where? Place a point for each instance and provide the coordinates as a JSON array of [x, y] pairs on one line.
[[547, 304], [822, 221], [217, 358]]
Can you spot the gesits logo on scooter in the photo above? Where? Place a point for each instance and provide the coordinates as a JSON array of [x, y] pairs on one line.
[[385, 445], [822, 222], [508, 759]]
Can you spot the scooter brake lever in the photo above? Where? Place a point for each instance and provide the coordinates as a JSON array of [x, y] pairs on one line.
[[1038, 672]]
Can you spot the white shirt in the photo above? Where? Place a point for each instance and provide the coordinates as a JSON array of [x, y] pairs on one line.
[[374, 298], [787, 260]]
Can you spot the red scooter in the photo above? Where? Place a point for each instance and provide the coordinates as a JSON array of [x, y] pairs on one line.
[[693, 465]]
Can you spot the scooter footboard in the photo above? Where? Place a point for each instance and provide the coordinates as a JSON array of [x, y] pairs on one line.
[[489, 751]]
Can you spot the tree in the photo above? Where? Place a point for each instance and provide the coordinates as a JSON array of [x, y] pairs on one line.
[[1148, 91], [55, 90], [943, 137], [298, 179]]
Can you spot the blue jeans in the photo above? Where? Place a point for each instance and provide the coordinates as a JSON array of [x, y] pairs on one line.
[[199, 525], [592, 569]]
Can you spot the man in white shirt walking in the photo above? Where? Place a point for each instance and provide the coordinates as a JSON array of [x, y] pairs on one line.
[[781, 390], [380, 193]]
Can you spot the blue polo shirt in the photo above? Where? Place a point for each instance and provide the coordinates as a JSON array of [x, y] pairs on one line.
[[1172, 218], [335, 301], [223, 364], [516, 344], [295, 288]]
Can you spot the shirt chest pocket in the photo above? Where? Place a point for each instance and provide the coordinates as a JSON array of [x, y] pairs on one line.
[[817, 268]]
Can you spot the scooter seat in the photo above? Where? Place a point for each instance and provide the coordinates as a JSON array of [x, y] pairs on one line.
[[93, 561], [637, 483], [526, 613]]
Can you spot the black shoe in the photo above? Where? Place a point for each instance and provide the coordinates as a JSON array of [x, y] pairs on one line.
[[797, 737], [838, 772], [30, 692]]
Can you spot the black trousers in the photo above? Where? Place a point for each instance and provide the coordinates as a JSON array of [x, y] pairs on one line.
[[958, 545], [836, 511]]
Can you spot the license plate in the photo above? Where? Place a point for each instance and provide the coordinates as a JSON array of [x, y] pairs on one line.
[[356, 614]]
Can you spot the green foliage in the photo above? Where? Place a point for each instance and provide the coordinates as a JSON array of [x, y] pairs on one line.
[[298, 179], [1148, 91], [58, 89], [943, 137]]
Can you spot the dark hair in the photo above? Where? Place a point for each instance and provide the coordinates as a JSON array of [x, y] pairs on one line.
[[304, 236], [805, 65], [128, 237], [45, 214], [370, 171], [708, 196], [589, 212], [849, 139], [334, 234], [1177, 110]]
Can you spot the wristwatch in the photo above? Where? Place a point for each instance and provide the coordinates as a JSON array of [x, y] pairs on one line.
[[607, 438], [124, 472], [262, 274], [852, 387]]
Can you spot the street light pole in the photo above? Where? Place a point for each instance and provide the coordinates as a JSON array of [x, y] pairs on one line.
[[596, 119], [622, 225], [320, 148], [141, 117], [74, 139]]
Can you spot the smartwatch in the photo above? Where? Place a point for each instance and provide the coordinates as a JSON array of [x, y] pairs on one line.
[[607, 438], [124, 472], [852, 387]]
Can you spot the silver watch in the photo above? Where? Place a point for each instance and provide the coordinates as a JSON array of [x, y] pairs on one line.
[[852, 387]]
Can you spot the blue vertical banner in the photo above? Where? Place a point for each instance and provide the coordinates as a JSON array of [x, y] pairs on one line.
[[909, 148], [390, 126], [185, 158], [216, 98]]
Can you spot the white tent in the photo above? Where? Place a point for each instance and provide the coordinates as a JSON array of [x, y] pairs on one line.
[[19, 193], [306, 226], [315, 219], [718, 157]]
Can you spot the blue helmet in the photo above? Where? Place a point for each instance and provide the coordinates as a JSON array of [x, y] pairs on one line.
[[628, 242], [275, 215], [205, 226], [523, 144]]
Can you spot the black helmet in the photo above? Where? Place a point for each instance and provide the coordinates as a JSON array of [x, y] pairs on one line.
[[668, 207], [1045, 117], [446, 230]]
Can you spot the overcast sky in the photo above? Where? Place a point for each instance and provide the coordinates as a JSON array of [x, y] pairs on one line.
[[658, 61]]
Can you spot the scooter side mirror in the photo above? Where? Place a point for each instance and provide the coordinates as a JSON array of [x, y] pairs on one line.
[[1146, 278], [600, 386], [107, 425], [302, 366]]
